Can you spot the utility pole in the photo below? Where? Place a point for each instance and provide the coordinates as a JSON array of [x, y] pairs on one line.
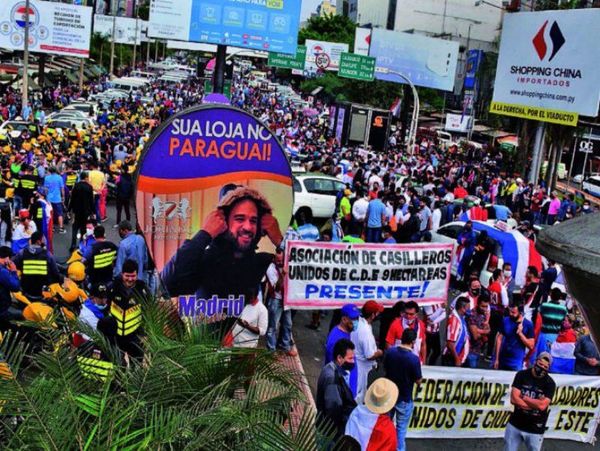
[[25, 93], [156, 51], [219, 75], [536, 162], [112, 41], [135, 38]]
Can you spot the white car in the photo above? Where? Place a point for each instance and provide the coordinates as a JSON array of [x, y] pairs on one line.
[[15, 128], [74, 114], [448, 233], [317, 193], [591, 185], [89, 109]]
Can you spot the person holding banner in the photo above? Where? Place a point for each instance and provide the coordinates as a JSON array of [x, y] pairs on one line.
[[531, 394]]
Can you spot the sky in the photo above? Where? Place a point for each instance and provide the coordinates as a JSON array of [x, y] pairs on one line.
[[309, 7]]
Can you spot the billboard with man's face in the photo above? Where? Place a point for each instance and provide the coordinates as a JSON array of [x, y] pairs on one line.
[[214, 197]]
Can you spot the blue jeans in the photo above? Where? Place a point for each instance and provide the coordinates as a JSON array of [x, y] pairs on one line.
[[514, 437], [472, 360], [373, 235], [403, 411], [277, 314]]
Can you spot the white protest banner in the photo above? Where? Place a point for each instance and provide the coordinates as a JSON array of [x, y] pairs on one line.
[[56, 28], [330, 275], [475, 403]]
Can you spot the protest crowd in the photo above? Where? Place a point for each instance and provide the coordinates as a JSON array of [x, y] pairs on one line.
[[59, 181]]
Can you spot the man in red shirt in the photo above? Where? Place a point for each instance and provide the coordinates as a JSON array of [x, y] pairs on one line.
[[409, 319]]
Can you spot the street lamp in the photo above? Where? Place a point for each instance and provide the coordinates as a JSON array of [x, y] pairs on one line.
[[414, 124]]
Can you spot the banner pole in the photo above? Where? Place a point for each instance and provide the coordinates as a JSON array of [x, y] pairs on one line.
[[25, 93], [219, 75]]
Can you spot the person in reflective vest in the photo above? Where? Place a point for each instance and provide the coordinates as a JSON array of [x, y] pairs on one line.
[[27, 184], [37, 266], [126, 296], [100, 258]]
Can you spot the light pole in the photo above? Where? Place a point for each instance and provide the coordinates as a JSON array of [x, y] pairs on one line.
[[414, 124], [25, 93]]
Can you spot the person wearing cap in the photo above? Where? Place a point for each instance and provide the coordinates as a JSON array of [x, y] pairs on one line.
[[350, 315], [94, 308], [531, 394], [335, 401], [403, 368], [369, 423], [222, 258], [9, 283], [100, 257], [345, 210], [366, 352], [23, 232]]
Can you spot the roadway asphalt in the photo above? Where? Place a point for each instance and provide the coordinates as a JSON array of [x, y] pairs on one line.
[[311, 346], [311, 349]]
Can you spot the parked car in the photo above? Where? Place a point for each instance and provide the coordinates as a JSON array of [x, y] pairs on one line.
[[90, 109], [591, 185], [15, 128], [507, 246], [317, 193]]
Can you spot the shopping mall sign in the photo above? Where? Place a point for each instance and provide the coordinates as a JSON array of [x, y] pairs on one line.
[[357, 67], [548, 66]]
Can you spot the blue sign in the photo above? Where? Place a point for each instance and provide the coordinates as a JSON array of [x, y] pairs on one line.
[[474, 59], [268, 25]]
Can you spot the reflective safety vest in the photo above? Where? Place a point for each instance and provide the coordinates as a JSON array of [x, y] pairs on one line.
[[104, 260], [27, 184], [95, 368], [35, 267], [71, 180], [128, 321], [39, 214]]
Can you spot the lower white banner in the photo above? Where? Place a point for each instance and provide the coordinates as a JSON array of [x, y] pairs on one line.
[[473, 403]]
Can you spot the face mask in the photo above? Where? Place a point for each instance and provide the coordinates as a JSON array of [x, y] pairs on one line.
[[348, 366], [355, 324], [507, 273], [586, 207], [541, 372], [100, 307], [89, 232], [475, 291]]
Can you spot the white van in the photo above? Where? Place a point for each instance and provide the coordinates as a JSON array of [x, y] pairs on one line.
[[129, 83]]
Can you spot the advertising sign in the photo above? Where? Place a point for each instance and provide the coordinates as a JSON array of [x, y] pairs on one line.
[[330, 275], [214, 195], [454, 403], [474, 59], [457, 122], [362, 41], [323, 55], [357, 67], [548, 66], [286, 61], [127, 30], [270, 25], [427, 62], [55, 28]]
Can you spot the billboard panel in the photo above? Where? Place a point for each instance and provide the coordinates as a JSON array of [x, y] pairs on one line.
[[214, 196], [474, 59], [457, 122], [323, 55], [427, 62], [362, 41], [56, 28], [270, 25], [126, 29], [548, 64]]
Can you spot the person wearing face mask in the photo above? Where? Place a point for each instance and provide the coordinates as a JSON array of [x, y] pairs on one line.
[[472, 294], [350, 315], [335, 400], [531, 395], [514, 339], [94, 308], [587, 208], [508, 281], [409, 320]]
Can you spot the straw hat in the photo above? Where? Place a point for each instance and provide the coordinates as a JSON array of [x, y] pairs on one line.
[[381, 396]]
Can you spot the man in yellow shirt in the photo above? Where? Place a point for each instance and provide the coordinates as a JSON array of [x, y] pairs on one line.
[[97, 179]]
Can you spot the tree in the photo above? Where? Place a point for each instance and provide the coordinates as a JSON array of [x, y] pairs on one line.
[[189, 393], [332, 28]]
